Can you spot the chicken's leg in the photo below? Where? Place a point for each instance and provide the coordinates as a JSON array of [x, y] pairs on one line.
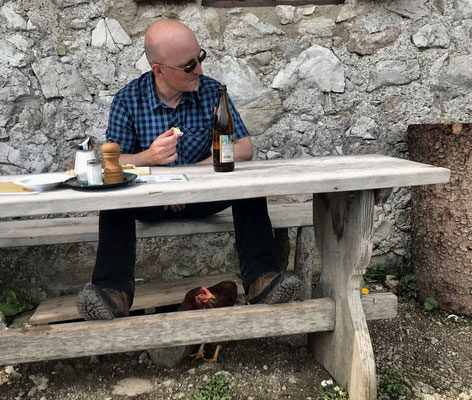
[[215, 356], [199, 354]]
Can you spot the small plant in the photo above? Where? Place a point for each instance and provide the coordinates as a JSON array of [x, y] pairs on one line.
[[215, 388], [407, 288], [431, 304], [392, 385], [331, 391], [9, 303], [376, 275]]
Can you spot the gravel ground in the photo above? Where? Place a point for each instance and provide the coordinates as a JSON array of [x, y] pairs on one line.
[[433, 351]]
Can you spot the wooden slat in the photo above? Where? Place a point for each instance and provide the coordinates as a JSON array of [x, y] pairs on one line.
[[64, 308], [36, 232], [379, 306], [78, 339], [249, 179]]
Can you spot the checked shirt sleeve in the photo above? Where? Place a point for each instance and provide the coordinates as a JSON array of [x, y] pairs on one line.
[[240, 129], [120, 127]]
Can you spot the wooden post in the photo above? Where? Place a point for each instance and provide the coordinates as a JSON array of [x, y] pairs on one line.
[[344, 232]]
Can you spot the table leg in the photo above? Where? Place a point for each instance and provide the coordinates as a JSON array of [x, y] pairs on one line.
[[344, 234]]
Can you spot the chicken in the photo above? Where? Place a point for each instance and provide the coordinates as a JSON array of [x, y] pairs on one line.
[[222, 294]]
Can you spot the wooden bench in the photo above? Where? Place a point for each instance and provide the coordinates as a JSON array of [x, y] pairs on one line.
[[34, 232]]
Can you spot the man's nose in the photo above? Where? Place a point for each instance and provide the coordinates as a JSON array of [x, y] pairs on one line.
[[198, 69]]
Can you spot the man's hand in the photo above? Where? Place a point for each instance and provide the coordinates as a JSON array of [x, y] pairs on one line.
[[162, 150]]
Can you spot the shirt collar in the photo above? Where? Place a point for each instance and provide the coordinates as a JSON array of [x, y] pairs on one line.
[[154, 101]]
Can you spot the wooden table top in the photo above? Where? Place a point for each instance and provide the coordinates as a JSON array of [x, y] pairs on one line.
[[249, 179]]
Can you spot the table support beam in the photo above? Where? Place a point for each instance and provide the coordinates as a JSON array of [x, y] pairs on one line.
[[344, 234]]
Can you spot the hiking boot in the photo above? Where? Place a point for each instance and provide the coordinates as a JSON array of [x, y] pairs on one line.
[[94, 303], [275, 287]]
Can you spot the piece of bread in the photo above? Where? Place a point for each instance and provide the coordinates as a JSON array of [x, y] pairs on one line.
[[176, 131]]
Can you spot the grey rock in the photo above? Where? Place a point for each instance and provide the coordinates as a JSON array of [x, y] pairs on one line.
[[261, 113], [392, 72], [303, 11], [69, 3], [348, 12], [249, 35], [285, 13], [108, 33], [11, 13], [391, 281], [289, 48], [142, 65], [364, 127], [15, 50], [169, 357], [394, 108], [414, 9], [329, 74], [13, 84], [78, 23], [457, 75], [368, 44], [463, 9], [243, 84], [59, 80], [320, 27], [431, 36]]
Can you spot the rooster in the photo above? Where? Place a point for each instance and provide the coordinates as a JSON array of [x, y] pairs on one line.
[[222, 294]]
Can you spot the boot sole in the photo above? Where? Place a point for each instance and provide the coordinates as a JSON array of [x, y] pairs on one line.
[[286, 287], [94, 304]]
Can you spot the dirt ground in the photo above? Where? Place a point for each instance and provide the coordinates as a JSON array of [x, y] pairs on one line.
[[433, 351]]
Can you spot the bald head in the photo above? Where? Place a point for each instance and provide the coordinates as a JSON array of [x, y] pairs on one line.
[[166, 40]]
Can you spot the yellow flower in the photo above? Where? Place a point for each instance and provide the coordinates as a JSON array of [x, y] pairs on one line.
[[365, 291]]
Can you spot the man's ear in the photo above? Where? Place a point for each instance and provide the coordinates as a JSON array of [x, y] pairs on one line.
[[156, 70]]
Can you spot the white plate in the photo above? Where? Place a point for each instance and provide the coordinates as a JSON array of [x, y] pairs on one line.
[[40, 183]]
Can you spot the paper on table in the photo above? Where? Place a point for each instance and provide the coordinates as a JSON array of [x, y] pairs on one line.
[[10, 188], [162, 178]]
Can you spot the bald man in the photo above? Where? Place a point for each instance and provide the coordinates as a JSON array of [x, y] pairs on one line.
[[176, 93]]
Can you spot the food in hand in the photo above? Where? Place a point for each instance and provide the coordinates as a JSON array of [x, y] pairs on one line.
[[177, 132]]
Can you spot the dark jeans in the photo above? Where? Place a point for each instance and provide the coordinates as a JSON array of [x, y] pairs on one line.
[[116, 255]]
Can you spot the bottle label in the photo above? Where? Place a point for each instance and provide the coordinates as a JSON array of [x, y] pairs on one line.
[[227, 149]]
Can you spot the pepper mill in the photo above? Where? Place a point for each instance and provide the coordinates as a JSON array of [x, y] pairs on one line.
[[113, 173]]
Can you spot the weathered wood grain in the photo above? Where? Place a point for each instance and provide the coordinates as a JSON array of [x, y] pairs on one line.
[[249, 179], [78, 339], [35, 232], [344, 234]]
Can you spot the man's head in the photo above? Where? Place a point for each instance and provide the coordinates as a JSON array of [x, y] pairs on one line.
[[170, 46]]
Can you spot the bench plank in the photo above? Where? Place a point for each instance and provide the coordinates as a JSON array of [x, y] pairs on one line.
[[77, 339], [85, 229], [149, 295]]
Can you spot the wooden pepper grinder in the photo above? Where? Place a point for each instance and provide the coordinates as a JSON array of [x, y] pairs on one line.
[[113, 173]]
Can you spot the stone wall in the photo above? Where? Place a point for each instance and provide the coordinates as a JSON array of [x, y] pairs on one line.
[[308, 81]]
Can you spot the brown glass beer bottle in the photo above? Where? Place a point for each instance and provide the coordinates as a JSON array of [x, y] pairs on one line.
[[223, 134]]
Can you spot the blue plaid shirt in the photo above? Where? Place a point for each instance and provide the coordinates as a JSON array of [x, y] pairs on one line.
[[137, 117]]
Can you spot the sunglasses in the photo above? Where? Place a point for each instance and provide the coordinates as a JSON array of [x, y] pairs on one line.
[[191, 65]]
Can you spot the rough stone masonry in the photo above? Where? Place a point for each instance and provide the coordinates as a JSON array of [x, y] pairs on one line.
[[308, 81]]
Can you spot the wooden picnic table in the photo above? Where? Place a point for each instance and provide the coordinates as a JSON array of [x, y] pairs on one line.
[[344, 188]]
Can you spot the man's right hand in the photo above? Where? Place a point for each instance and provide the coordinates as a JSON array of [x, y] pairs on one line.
[[163, 150]]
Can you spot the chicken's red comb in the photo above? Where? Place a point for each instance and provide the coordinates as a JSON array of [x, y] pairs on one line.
[[207, 292]]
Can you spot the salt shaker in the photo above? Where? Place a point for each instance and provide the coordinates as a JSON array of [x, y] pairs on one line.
[[83, 154], [94, 172]]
